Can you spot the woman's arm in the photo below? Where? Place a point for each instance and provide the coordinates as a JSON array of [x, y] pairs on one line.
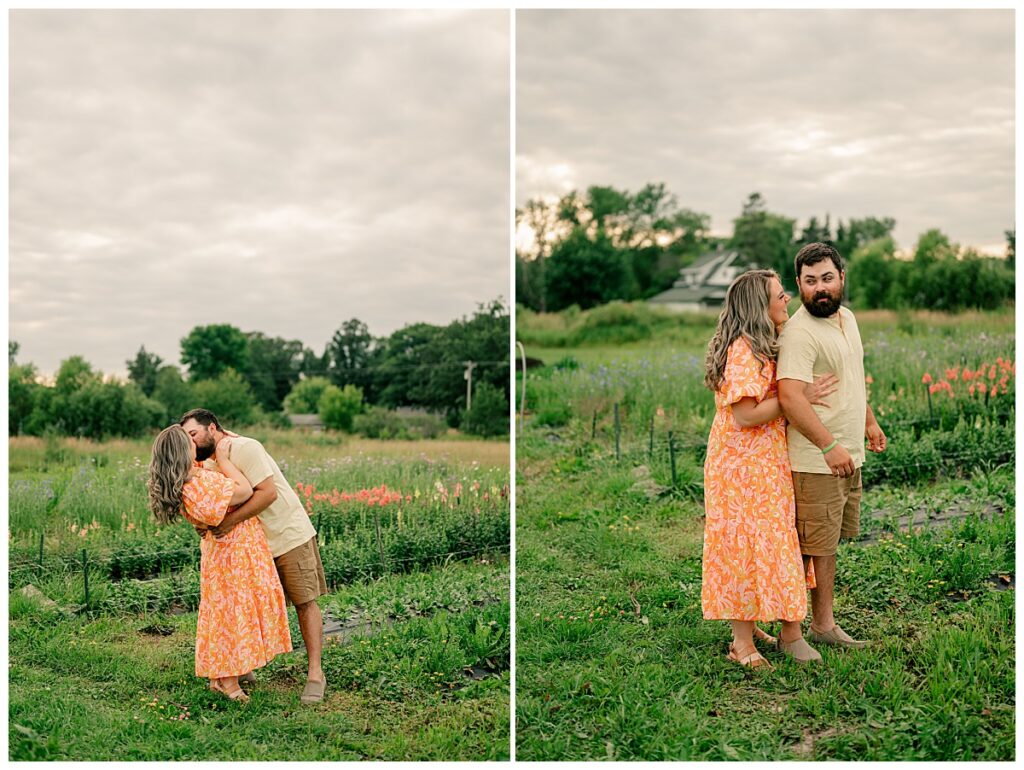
[[243, 489], [748, 413]]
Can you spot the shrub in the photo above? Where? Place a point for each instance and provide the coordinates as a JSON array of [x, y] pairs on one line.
[[339, 406], [489, 413], [304, 398], [228, 396]]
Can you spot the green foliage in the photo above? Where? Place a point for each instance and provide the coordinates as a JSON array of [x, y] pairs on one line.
[[274, 367], [22, 396], [209, 350], [228, 396], [765, 239], [488, 414], [142, 370], [381, 423], [304, 398], [349, 356], [173, 393], [586, 272], [339, 406]]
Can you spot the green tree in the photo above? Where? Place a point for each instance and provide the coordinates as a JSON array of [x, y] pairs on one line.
[[274, 367], [586, 272], [1011, 248], [173, 393], [143, 368], [869, 276], [338, 407], [858, 232], [404, 362], [488, 414], [349, 355], [765, 239], [22, 393], [228, 396], [208, 351], [304, 398]]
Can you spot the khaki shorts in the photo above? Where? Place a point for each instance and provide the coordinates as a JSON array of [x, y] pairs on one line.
[[827, 509], [302, 573]]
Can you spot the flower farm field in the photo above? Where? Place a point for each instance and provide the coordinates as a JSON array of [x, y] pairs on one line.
[[614, 658], [414, 539]]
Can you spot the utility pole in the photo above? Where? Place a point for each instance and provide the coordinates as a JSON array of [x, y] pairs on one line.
[[468, 377]]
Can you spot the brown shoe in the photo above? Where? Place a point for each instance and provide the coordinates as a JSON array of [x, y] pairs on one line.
[[799, 650], [748, 658], [836, 637], [249, 678]]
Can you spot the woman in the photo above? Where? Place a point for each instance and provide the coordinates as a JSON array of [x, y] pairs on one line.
[[242, 621], [752, 568]]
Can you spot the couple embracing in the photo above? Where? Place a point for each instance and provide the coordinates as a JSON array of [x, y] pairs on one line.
[[259, 551], [782, 474]]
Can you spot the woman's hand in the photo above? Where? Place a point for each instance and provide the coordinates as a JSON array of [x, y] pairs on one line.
[[823, 385], [223, 447]]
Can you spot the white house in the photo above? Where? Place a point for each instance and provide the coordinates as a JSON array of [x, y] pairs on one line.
[[702, 285]]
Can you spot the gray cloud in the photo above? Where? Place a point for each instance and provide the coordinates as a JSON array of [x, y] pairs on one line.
[[908, 114], [279, 171]]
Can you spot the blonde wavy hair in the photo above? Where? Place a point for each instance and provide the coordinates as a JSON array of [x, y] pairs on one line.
[[169, 468], [745, 314]]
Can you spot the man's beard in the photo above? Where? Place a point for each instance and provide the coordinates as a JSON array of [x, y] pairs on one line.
[[204, 451], [820, 309]]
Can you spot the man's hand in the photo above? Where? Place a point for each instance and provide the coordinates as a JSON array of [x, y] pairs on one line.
[[201, 529], [226, 525], [876, 437], [839, 461]]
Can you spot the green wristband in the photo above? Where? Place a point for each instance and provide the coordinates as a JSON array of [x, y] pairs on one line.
[[830, 447]]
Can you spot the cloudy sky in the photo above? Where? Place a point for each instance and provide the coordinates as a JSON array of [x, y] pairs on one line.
[[856, 113], [279, 171]]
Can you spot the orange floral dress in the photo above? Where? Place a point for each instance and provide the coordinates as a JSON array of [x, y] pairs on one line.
[[242, 622], [752, 568]]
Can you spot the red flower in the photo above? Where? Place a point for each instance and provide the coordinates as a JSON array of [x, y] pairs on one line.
[[927, 378]]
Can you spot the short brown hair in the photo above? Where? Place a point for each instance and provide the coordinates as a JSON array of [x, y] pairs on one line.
[[813, 253], [204, 417]]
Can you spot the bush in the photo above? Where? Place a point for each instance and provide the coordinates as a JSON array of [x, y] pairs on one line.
[[377, 422], [228, 396], [339, 406], [304, 398], [489, 413]]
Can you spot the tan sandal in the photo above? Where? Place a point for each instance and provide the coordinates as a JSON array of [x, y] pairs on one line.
[[763, 636], [313, 692], [235, 695], [752, 659]]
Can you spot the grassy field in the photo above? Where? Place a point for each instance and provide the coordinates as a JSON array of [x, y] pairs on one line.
[[420, 670], [614, 659]]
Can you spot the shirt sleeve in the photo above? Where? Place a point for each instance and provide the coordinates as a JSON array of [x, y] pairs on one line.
[[745, 376], [206, 496], [797, 353], [252, 460]]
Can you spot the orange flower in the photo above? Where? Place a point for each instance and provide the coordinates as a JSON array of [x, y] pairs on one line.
[[869, 380], [966, 376], [992, 372], [992, 393], [971, 390], [927, 378], [951, 374]]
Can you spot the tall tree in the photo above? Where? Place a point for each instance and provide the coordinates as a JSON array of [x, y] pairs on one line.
[[1011, 248], [275, 365], [143, 368], [209, 350], [587, 272], [349, 356], [765, 239]]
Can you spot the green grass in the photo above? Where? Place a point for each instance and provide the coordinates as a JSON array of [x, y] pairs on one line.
[[90, 685], [614, 659], [95, 688]]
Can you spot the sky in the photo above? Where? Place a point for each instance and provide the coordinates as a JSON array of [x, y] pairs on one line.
[[280, 171], [905, 114]]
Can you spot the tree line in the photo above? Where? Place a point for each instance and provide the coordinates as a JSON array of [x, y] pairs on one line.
[[605, 244], [248, 378]]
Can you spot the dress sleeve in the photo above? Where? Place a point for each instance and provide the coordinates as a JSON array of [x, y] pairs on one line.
[[206, 496], [744, 374]]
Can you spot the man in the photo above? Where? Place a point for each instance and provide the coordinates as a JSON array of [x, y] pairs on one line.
[[290, 534], [826, 443]]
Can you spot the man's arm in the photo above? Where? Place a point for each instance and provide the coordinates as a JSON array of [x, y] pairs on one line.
[[801, 415], [263, 496]]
